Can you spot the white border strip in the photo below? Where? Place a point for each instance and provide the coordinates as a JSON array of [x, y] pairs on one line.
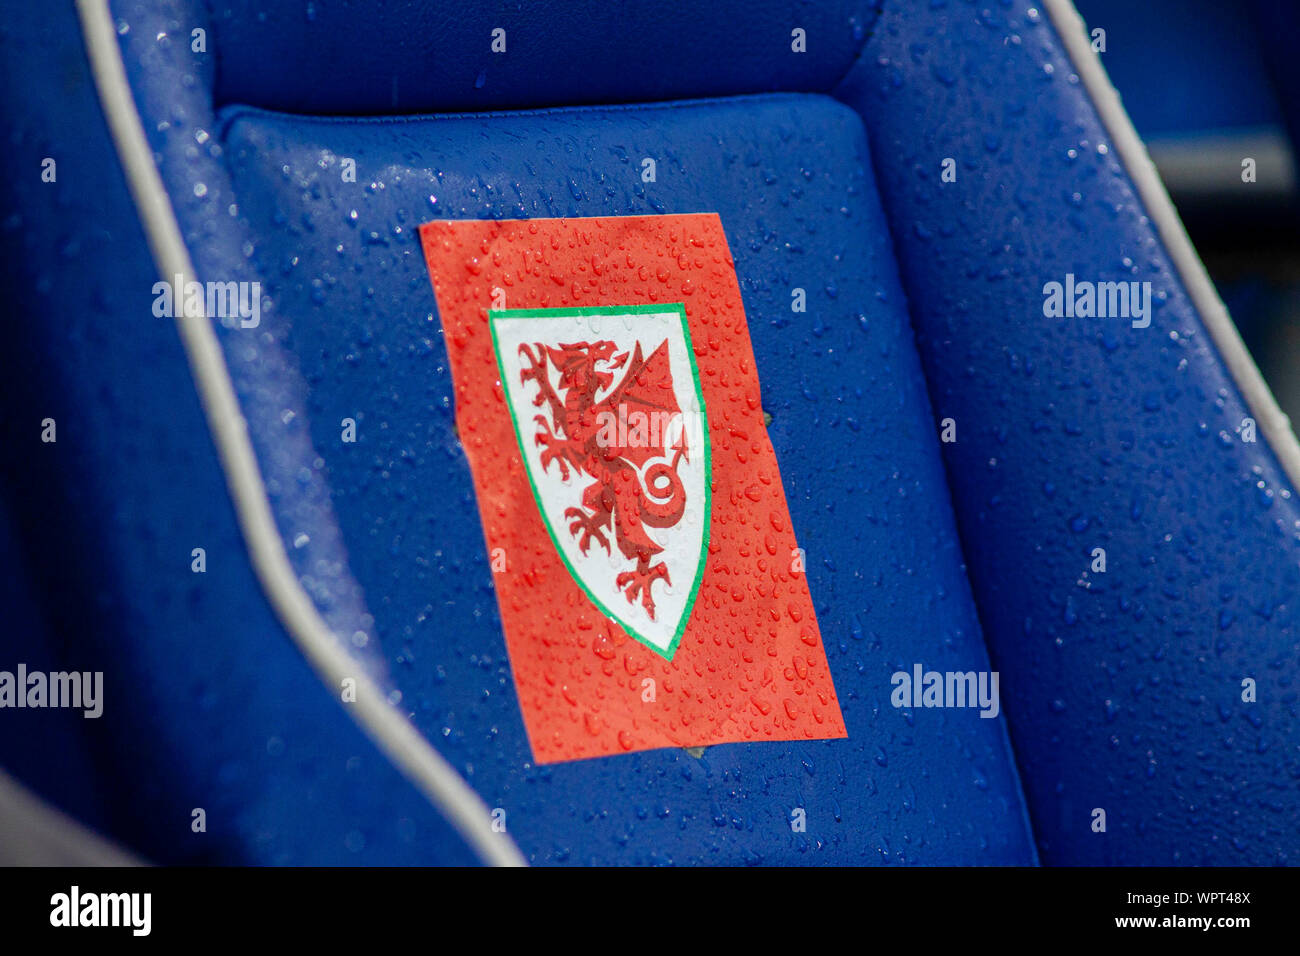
[[34, 832], [1272, 421], [390, 731]]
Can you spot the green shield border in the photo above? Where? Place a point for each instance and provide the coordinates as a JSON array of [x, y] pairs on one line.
[[615, 311]]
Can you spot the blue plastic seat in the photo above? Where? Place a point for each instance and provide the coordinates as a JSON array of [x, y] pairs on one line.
[[1122, 690]]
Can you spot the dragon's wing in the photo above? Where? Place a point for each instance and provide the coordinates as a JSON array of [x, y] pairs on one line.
[[645, 389]]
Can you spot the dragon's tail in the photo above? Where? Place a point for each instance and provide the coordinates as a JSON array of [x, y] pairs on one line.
[[664, 501]]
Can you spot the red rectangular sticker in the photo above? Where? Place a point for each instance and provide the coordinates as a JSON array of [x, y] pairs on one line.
[[650, 585]]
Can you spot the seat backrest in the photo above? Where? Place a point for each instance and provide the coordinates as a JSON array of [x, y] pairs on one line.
[[1130, 532]]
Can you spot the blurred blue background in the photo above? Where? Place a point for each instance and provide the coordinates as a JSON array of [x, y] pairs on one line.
[[1208, 84]]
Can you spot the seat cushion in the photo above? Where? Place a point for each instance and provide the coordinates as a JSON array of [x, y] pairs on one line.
[[789, 177]]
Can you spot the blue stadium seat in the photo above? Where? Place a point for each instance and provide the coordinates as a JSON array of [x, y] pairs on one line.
[[1122, 689]]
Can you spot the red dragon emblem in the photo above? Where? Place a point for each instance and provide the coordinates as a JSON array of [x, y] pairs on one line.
[[617, 441]]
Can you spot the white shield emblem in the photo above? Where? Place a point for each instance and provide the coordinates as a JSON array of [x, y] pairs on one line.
[[610, 421]]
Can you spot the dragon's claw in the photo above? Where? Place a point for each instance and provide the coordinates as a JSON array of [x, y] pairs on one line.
[[586, 528], [550, 454], [553, 446], [639, 582]]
